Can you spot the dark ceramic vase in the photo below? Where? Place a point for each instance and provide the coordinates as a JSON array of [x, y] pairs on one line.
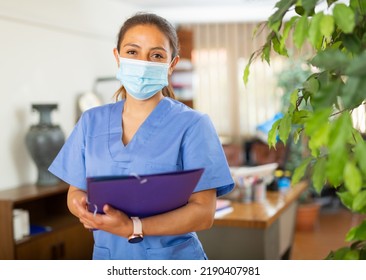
[[44, 140]]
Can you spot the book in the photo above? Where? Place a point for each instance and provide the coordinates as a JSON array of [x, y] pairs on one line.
[[142, 195], [223, 207]]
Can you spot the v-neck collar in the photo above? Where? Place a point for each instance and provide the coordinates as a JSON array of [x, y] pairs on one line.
[[121, 152]]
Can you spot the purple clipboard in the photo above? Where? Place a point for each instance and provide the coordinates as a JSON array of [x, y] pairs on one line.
[[142, 195]]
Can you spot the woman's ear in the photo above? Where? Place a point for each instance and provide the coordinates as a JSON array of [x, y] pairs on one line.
[[173, 64], [116, 55]]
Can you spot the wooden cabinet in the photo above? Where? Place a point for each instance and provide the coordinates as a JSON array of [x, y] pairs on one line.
[[65, 238]]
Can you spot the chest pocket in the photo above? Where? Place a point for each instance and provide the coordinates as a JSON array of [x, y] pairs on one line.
[[154, 167]]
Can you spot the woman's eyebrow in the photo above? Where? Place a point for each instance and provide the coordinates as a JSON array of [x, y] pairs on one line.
[[137, 46], [159, 48], [131, 45]]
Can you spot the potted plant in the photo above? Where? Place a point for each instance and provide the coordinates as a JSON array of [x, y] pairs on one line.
[[337, 35]]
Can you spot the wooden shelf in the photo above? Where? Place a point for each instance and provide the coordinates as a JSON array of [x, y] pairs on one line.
[[47, 206]]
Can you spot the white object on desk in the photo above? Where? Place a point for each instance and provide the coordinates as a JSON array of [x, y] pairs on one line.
[[252, 181], [258, 171]]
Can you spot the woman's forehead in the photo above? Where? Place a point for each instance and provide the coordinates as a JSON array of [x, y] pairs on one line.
[[146, 35]]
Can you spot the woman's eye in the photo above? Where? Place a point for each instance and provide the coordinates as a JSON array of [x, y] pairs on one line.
[[131, 52], [157, 56]]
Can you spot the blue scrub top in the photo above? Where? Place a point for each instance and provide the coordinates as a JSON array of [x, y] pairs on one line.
[[173, 137]]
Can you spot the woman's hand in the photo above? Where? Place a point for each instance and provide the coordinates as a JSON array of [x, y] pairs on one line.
[[113, 221]]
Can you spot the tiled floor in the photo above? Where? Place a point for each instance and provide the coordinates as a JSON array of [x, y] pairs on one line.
[[329, 234]]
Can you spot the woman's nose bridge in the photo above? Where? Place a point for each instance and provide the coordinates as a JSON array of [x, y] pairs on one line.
[[144, 55]]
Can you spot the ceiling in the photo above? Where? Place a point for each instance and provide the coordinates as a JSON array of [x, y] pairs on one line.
[[191, 11], [199, 3]]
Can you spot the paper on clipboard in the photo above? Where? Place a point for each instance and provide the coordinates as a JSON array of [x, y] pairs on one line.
[[143, 195]]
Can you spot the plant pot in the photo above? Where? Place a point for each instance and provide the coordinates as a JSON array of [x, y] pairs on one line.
[[307, 216]]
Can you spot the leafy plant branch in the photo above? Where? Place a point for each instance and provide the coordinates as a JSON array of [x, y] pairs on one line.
[[337, 36]]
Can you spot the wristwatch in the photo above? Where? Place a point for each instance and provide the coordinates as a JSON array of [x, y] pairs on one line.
[[137, 235]]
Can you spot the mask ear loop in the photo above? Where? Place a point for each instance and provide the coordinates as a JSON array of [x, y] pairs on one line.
[[142, 180]]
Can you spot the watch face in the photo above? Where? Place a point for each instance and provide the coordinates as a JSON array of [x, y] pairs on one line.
[[135, 239]]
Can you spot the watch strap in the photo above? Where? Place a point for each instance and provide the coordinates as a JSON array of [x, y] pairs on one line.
[[137, 226]]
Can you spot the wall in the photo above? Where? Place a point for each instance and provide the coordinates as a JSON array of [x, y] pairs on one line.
[[50, 52]]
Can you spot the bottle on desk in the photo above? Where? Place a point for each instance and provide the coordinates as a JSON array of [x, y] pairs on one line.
[[283, 179]]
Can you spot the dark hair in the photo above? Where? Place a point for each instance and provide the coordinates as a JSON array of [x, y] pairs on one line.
[[164, 26]]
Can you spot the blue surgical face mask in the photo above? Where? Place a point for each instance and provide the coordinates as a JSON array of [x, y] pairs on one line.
[[142, 79]]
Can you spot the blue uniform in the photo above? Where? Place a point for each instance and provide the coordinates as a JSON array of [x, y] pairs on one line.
[[173, 137]]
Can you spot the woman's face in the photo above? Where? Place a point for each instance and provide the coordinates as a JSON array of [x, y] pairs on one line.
[[145, 42]]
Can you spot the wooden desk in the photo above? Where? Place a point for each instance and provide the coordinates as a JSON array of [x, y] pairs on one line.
[[255, 230]]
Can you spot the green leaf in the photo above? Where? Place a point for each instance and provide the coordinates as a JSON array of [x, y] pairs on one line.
[[352, 255], [344, 17], [294, 97], [352, 43], [327, 25], [319, 139], [247, 69], [363, 254], [309, 6], [359, 6], [356, 137], [358, 65], [272, 134], [346, 198], [315, 35], [357, 233], [299, 10], [312, 124], [297, 134], [330, 2], [266, 52], [340, 131], [285, 128], [277, 47], [335, 166], [349, 91], [319, 177], [359, 201], [352, 178], [282, 8], [246, 74], [299, 172], [338, 254], [311, 85], [286, 30], [301, 116], [301, 31], [327, 96], [331, 60], [360, 155]]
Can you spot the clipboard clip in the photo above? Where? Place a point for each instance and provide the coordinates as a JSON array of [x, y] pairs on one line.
[[95, 207], [142, 180]]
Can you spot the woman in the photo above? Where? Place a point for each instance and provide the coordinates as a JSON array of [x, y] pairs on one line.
[[144, 133]]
